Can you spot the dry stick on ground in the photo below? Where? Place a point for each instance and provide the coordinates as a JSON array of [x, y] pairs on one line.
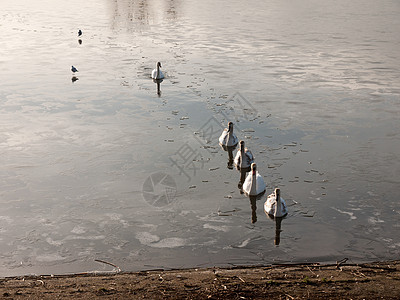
[[289, 296], [318, 265], [310, 270], [108, 263]]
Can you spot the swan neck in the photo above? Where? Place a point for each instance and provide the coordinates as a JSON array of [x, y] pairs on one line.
[[278, 205], [253, 186], [229, 137]]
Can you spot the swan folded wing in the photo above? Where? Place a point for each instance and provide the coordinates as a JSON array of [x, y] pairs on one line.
[[269, 206], [237, 159], [154, 74], [233, 140], [223, 137], [261, 186], [284, 208], [249, 157]]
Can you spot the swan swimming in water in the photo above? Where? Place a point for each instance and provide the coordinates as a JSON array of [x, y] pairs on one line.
[[275, 206], [228, 138], [254, 184], [157, 73], [244, 158], [73, 69]]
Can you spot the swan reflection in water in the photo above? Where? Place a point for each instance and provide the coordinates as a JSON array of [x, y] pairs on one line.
[[74, 78], [278, 230], [158, 81], [253, 206], [275, 208], [230, 150], [228, 142]]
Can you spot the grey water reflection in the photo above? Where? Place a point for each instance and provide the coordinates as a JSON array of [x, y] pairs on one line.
[[128, 14], [229, 150], [320, 80], [278, 230], [253, 205], [158, 83]]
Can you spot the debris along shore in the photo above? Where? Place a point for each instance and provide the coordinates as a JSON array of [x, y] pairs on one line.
[[378, 280]]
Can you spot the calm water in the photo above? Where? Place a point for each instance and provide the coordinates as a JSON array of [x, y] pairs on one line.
[[104, 167]]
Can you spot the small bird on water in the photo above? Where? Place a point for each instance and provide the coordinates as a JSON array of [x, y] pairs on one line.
[[79, 32], [73, 69]]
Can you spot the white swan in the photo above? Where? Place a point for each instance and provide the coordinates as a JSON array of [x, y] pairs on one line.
[[244, 158], [228, 138], [157, 73], [275, 206], [254, 184]]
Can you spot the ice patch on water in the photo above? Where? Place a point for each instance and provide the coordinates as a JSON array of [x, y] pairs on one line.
[[7, 219], [170, 243], [375, 220], [244, 243], [49, 257], [352, 216], [114, 216], [213, 218], [147, 238], [216, 228], [89, 237], [52, 242], [78, 230]]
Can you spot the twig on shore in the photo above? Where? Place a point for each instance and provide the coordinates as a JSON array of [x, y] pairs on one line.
[[341, 262], [41, 281], [309, 269], [108, 263]]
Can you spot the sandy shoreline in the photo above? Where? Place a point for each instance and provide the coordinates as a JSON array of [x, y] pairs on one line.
[[298, 281]]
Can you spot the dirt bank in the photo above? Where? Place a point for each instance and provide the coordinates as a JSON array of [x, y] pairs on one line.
[[379, 280]]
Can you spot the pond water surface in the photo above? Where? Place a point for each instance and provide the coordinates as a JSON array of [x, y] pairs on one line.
[[106, 164]]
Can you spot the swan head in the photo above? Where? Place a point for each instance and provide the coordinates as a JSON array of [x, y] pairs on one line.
[[159, 64], [230, 126], [253, 168], [241, 146]]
